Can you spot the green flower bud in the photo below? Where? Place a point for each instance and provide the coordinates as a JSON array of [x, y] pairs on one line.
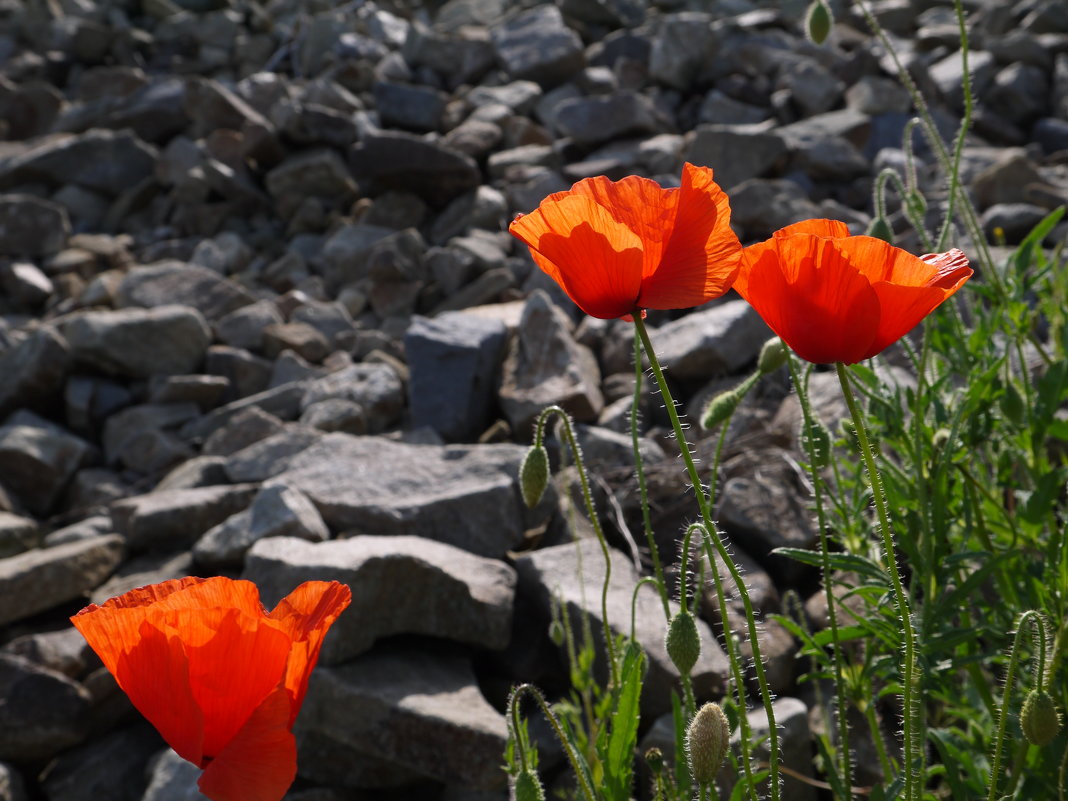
[[683, 642], [1039, 718], [556, 633], [880, 229], [818, 22], [707, 740], [654, 758], [720, 408], [817, 434], [772, 356], [528, 788], [1012, 403], [940, 438], [534, 474]]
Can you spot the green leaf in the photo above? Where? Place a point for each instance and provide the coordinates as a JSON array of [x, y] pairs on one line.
[[1040, 502], [618, 755], [838, 561]]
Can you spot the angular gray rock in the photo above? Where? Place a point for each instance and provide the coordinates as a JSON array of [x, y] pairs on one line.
[[143, 437], [398, 160], [43, 711], [171, 778], [31, 226], [434, 589], [38, 459], [537, 45], [17, 534], [376, 388], [109, 162], [592, 120], [139, 343], [47, 577], [110, 766], [174, 519], [719, 340], [795, 746], [461, 495], [274, 512], [426, 715], [270, 456], [574, 573], [736, 152], [545, 366], [34, 369], [177, 282], [453, 361]]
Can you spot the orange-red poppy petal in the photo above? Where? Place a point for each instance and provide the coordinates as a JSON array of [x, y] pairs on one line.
[[951, 269], [834, 229], [305, 615], [702, 256], [260, 762], [603, 257], [808, 293]]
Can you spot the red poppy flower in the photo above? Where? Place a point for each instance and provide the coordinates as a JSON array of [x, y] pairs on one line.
[[220, 678], [619, 246], [833, 297]]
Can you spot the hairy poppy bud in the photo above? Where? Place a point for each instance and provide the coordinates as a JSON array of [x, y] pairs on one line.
[[818, 22], [817, 434], [683, 642], [880, 229], [720, 408], [707, 740], [556, 633], [772, 356], [654, 758], [527, 787], [534, 475], [1039, 718]]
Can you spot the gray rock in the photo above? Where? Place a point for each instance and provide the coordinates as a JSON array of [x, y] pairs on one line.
[[591, 120], [721, 109], [17, 534], [761, 206], [722, 339], [411, 107], [109, 766], [1007, 180], [319, 173], [47, 577], [460, 495], [329, 318], [176, 282], [454, 360], [822, 156], [244, 428], [327, 761], [171, 778], [795, 746], [545, 366], [1011, 221], [245, 373], [203, 390], [574, 574], [211, 106], [199, 471], [143, 569], [948, 75], [270, 456], [811, 86], [462, 597], [335, 414], [155, 112], [38, 459], [12, 787], [32, 226], [34, 369], [143, 437], [103, 161], [426, 715], [874, 94], [735, 152], [398, 160], [25, 284], [290, 367], [172, 519], [275, 512], [138, 342], [63, 650], [282, 401], [460, 57], [375, 387], [536, 45], [682, 44], [300, 338], [87, 527], [43, 711]]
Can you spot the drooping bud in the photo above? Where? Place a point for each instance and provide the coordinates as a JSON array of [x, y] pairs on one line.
[[707, 740], [683, 642], [720, 408], [1039, 718], [816, 436], [818, 22], [556, 633], [880, 229], [528, 787], [534, 474], [772, 356], [654, 758]]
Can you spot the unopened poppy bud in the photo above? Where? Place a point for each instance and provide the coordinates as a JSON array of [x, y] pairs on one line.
[[556, 633], [527, 787], [1039, 718], [880, 229], [720, 408], [654, 758], [534, 475], [707, 740], [772, 356], [683, 642], [940, 438], [817, 441], [818, 22], [1012, 403]]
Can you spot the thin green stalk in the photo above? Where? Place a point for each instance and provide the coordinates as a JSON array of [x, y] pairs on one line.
[[712, 534], [913, 754], [609, 638], [846, 766], [639, 470], [576, 767]]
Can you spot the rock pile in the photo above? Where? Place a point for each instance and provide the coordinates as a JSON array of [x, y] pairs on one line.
[[260, 317]]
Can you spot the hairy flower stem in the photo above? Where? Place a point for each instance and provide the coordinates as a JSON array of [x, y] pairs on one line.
[[1039, 624], [913, 754], [569, 433], [713, 539], [581, 776], [639, 472], [842, 707]]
